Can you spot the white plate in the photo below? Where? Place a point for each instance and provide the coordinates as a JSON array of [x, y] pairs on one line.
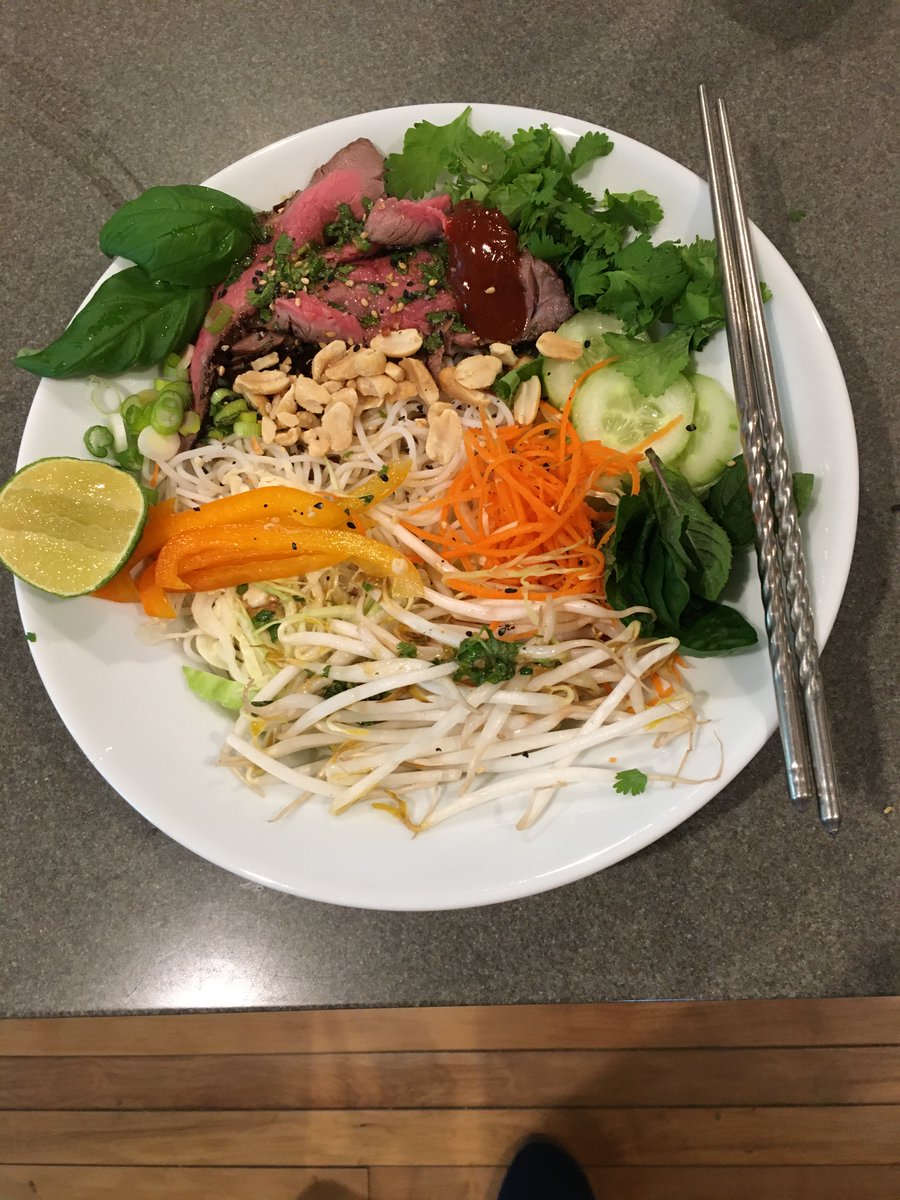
[[126, 705]]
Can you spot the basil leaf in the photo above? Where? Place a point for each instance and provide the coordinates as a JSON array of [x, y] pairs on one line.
[[186, 234], [130, 321]]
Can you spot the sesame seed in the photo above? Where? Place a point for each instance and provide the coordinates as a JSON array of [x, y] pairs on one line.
[[489, 291]]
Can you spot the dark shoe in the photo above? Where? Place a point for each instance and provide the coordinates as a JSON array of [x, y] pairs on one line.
[[543, 1171]]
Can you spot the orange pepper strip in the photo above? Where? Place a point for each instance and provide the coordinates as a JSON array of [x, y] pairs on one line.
[[239, 546], [210, 579], [155, 601], [120, 588], [263, 503]]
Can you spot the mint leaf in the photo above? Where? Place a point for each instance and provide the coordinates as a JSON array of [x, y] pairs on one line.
[[668, 554], [186, 234], [709, 628], [630, 783], [130, 321], [652, 366], [728, 501]]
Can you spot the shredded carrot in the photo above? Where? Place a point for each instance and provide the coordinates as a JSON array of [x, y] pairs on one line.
[[514, 522], [154, 478], [661, 688]]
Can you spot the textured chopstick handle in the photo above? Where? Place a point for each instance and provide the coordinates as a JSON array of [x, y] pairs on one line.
[[797, 760], [806, 650]]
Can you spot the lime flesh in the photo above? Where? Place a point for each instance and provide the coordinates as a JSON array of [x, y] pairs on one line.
[[67, 525]]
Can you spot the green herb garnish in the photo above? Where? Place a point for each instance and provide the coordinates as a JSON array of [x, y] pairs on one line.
[[630, 783], [483, 658]]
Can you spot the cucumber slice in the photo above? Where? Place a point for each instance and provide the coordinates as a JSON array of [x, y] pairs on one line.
[[715, 442], [588, 327], [608, 408]]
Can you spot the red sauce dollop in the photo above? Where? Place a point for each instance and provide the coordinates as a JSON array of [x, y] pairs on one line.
[[484, 272]]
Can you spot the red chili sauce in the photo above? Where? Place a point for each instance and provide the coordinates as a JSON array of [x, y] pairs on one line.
[[484, 272]]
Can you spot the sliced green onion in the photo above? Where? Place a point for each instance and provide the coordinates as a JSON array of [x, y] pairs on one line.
[[137, 417], [247, 425], [99, 440], [119, 432], [135, 400], [231, 410], [106, 397], [190, 424], [174, 385], [218, 316], [220, 394], [167, 413]]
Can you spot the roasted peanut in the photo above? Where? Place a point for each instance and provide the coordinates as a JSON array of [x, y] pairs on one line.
[[418, 374], [478, 371], [445, 436], [400, 343], [527, 400], [325, 357], [554, 346], [458, 391], [356, 363], [337, 424]]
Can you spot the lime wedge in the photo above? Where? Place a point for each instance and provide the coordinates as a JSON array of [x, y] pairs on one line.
[[67, 526]]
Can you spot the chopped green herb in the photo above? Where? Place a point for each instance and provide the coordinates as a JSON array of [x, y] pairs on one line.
[[796, 214], [407, 650], [32, 637], [483, 658], [335, 689], [630, 783]]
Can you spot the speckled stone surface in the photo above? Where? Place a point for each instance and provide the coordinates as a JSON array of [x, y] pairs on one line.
[[101, 913]]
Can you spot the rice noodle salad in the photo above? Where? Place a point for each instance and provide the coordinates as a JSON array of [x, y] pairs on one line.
[[428, 472], [351, 694]]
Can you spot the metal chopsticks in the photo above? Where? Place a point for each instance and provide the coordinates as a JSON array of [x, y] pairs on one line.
[[799, 694]]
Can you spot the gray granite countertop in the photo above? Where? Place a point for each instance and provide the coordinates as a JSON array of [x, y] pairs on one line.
[[101, 913]]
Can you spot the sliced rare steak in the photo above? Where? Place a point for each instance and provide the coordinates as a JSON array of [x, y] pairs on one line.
[[352, 174], [546, 301], [314, 320], [393, 222]]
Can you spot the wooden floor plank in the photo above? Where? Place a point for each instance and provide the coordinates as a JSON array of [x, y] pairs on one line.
[[653, 1183], [874, 1021], [455, 1137], [529, 1079], [183, 1183]]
